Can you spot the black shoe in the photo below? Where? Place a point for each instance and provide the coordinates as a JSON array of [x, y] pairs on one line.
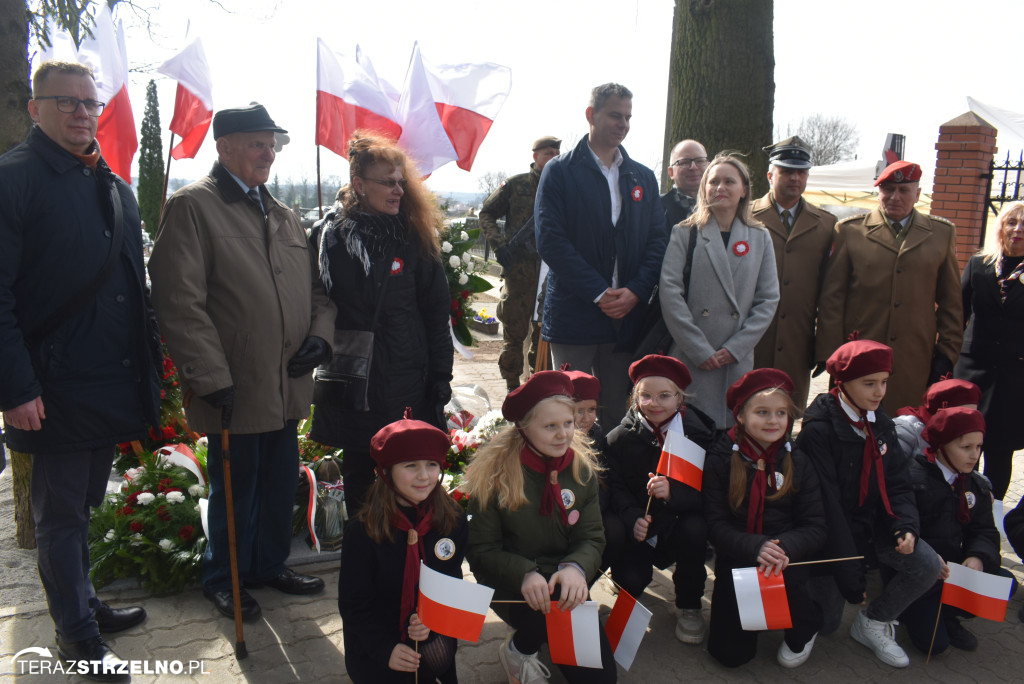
[[118, 619], [291, 582], [222, 599], [103, 662], [959, 637]]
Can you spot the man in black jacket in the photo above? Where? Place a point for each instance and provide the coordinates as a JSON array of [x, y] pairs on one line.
[[78, 357]]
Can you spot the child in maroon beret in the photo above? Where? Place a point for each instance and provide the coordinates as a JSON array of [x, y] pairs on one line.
[[910, 420], [407, 518], [671, 529], [869, 506], [955, 503], [763, 506], [535, 529]]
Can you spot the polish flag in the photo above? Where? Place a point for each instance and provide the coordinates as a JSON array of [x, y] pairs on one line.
[[451, 606], [423, 137], [349, 98], [626, 627], [468, 98], [193, 102], [105, 53], [978, 593], [574, 638], [682, 460], [761, 600]]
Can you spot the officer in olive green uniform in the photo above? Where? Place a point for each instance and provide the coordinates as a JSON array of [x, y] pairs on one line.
[[519, 260]]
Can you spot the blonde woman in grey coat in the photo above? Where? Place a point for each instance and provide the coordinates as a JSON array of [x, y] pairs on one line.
[[733, 286]]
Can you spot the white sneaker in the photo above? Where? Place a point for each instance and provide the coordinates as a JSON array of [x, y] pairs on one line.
[[690, 626], [521, 669], [880, 637], [787, 658]]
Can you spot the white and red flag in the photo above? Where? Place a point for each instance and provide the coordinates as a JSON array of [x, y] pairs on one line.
[[682, 460], [468, 97], [104, 52], [626, 627], [349, 98], [423, 137], [979, 593], [451, 606], [761, 600], [193, 101], [574, 637]]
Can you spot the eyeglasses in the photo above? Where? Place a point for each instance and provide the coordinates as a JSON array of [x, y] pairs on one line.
[[69, 105], [390, 183], [664, 398], [699, 162]]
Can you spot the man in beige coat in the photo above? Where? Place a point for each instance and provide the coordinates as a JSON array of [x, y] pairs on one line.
[[246, 321], [894, 278], [802, 236]]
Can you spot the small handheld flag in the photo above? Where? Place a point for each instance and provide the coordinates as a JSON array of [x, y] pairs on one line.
[[574, 637], [451, 606], [626, 627], [682, 460], [761, 600], [978, 593]]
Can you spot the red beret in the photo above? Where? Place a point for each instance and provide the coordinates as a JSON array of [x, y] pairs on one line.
[[540, 386], [900, 172], [753, 382], [951, 393], [584, 385], [859, 358], [409, 440], [948, 424], [656, 365]]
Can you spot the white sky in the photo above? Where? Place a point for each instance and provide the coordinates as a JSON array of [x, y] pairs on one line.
[[904, 67]]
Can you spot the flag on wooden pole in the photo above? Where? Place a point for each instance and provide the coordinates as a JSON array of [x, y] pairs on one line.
[[451, 606], [979, 593], [193, 100], [626, 627], [574, 637], [682, 460], [761, 600]]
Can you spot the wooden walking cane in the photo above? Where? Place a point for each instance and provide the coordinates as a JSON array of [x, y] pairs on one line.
[[225, 446]]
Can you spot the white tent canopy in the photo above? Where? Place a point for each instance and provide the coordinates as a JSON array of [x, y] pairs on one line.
[[1010, 125]]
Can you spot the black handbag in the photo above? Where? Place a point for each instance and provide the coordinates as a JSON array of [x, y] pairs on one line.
[[652, 335], [344, 381]]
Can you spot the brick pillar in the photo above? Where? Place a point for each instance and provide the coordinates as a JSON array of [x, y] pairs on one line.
[[965, 149]]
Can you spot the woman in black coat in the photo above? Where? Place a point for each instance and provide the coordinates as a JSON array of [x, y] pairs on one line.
[[379, 245], [992, 356]]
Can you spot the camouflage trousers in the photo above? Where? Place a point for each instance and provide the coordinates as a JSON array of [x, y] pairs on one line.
[[515, 311]]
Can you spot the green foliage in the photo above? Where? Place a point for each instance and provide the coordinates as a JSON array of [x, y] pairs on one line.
[[150, 529], [462, 282], [151, 164]]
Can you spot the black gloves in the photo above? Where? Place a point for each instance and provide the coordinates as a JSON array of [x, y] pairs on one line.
[[940, 366], [818, 369], [439, 393], [312, 353], [503, 255], [223, 399]]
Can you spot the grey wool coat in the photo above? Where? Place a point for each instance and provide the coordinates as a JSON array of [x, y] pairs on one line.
[[733, 296]]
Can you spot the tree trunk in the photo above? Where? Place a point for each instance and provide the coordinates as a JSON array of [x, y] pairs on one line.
[[721, 80], [14, 77], [21, 481]]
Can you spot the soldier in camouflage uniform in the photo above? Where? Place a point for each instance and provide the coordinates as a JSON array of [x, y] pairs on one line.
[[519, 260]]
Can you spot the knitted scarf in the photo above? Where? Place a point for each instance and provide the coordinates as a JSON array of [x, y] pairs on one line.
[[552, 498], [872, 456], [764, 476]]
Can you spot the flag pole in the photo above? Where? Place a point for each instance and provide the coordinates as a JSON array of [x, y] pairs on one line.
[[519, 601], [167, 176], [647, 510], [826, 560], [320, 204], [935, 631]]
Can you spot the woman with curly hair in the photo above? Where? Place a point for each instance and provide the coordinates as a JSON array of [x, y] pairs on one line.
[[380, 260]]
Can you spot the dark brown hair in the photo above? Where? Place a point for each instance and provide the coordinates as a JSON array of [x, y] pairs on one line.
[[381, 505]]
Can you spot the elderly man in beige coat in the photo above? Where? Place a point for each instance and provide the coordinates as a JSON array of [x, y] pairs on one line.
[[246, 321], [802, 236], [894, 278]]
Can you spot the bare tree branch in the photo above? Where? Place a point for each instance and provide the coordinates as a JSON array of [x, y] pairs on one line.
[[831, 138]]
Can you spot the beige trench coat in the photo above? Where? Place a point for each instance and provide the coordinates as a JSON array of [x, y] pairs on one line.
[[800, 259], [235, 295], [907, 297]]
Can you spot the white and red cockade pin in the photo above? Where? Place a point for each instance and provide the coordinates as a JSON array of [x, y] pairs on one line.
[[741, 248], [396, 266], [638, 193]]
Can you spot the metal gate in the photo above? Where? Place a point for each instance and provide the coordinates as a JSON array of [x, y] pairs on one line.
[[1004, 185]]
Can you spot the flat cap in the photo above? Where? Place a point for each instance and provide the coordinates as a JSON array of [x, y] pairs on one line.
[[900, 172], [547, 141], [243, 120]]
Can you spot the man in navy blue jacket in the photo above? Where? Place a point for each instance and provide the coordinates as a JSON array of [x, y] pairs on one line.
[[601, 229]]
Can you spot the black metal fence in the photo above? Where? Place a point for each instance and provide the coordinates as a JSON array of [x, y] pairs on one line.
[[1004, 185]]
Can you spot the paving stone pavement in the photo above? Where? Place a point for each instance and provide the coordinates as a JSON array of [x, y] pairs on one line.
[[299, 639]]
